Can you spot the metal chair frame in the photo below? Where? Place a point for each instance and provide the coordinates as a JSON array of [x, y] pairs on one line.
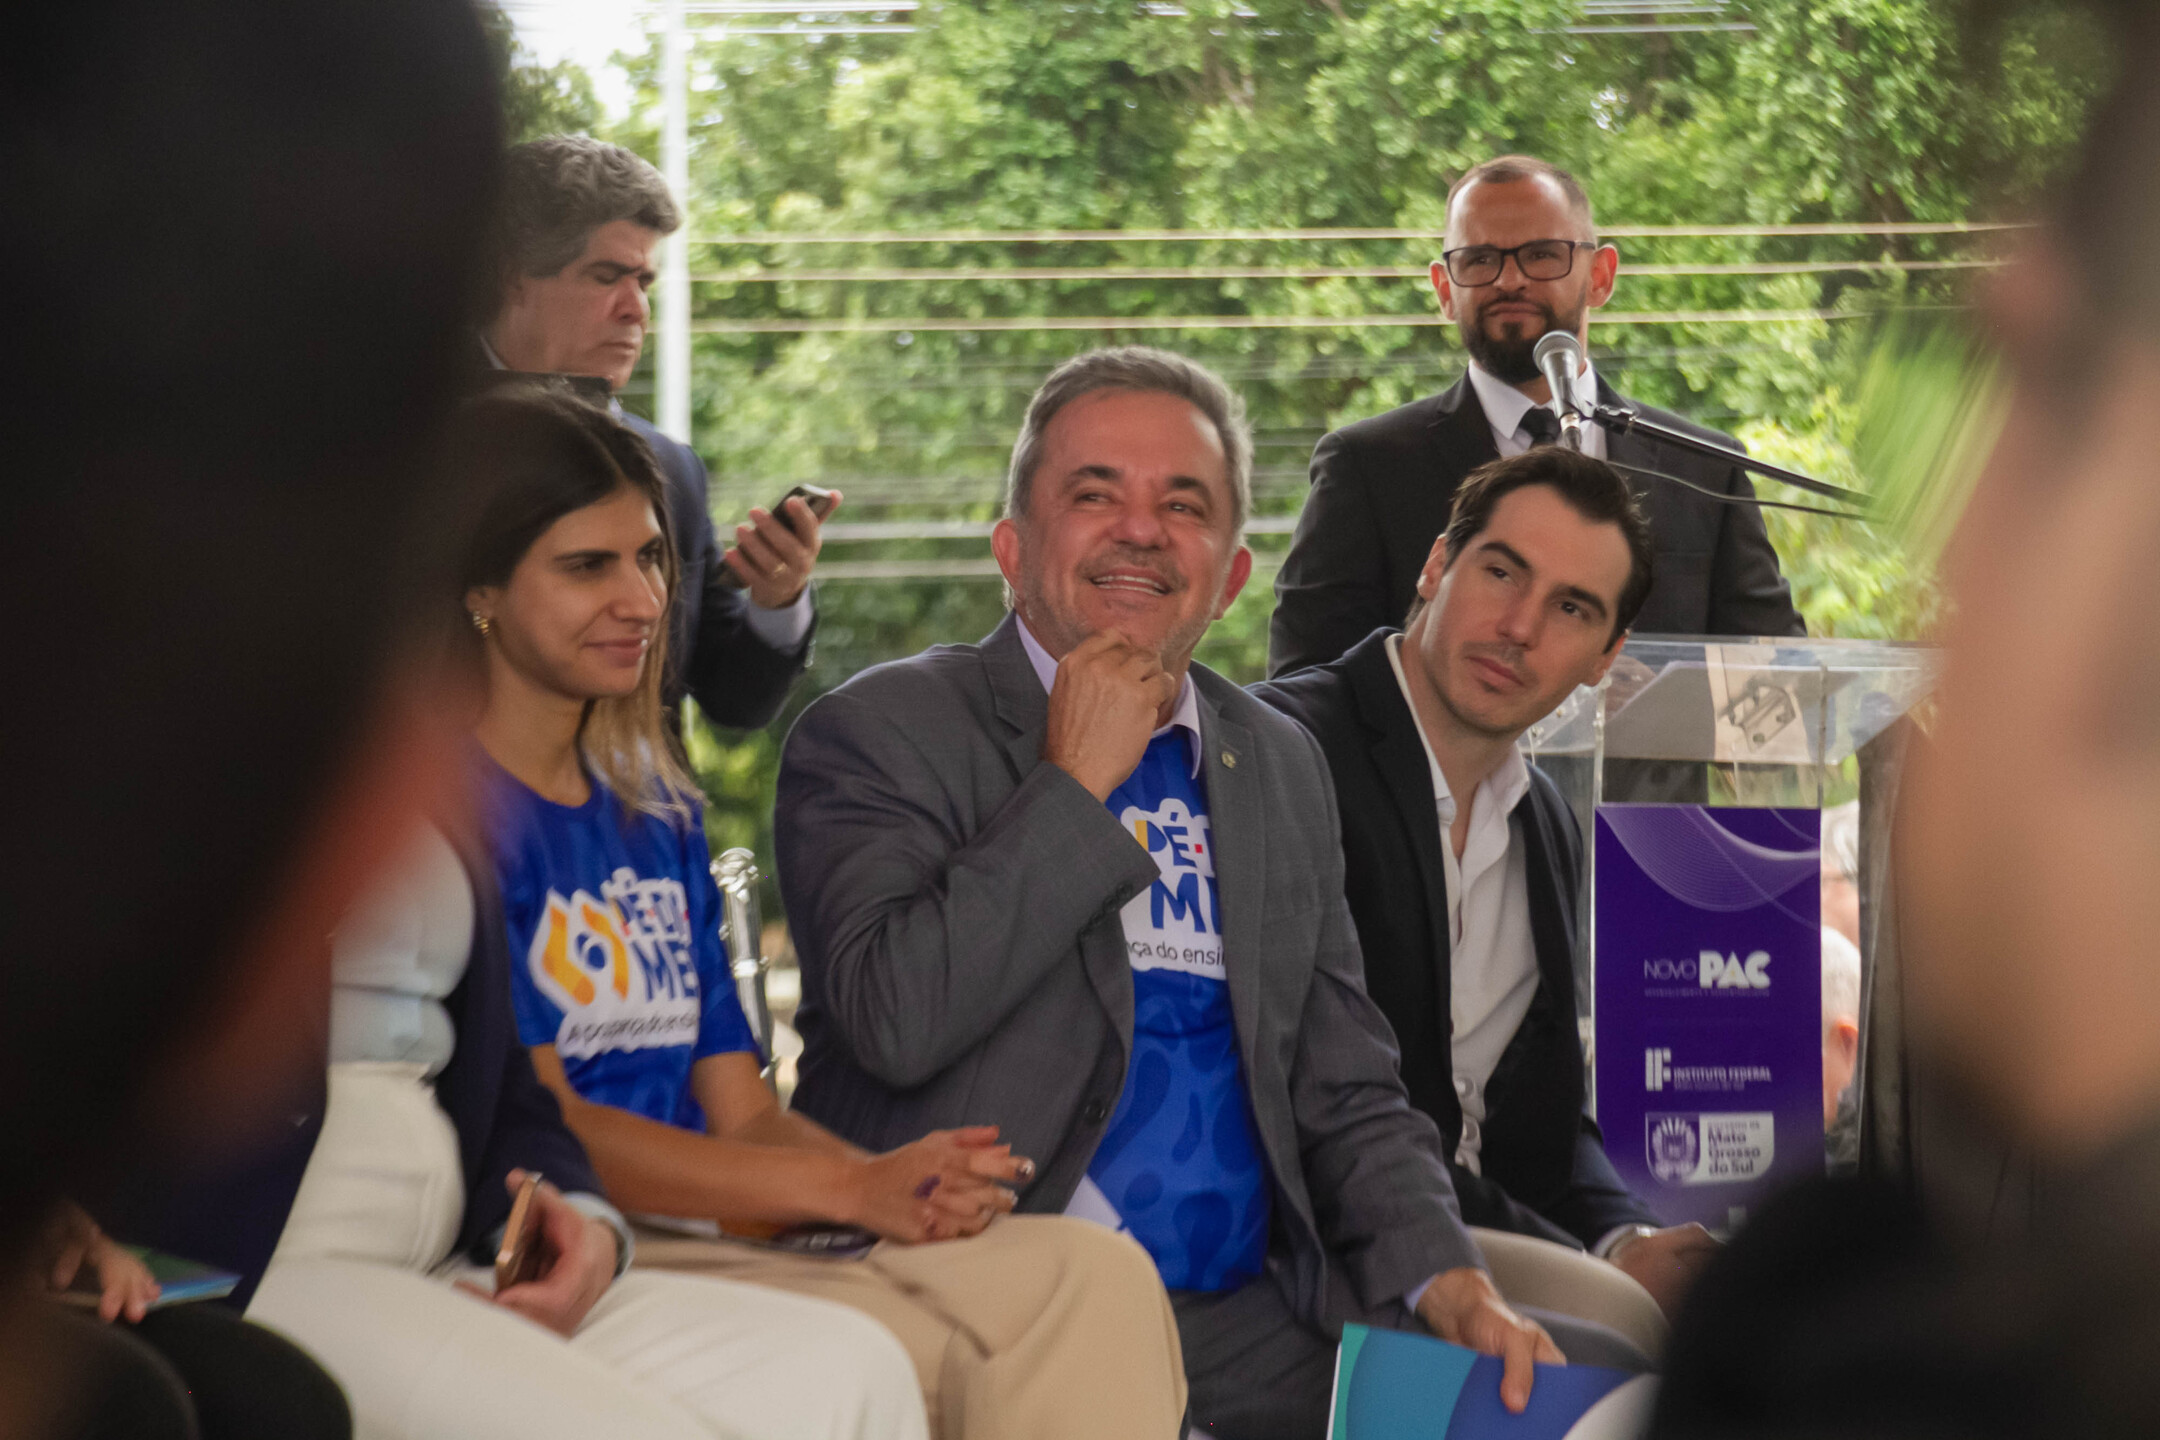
[[736, 872]]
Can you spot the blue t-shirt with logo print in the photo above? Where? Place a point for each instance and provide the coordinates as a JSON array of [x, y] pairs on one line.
[[615, 951], [1180, 1162]]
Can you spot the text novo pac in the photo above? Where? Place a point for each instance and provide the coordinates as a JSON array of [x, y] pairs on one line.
[[1730, 972]]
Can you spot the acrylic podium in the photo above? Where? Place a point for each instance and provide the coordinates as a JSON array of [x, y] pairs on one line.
[[1701, 771]]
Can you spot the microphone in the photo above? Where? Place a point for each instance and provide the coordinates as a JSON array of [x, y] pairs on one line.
[[1560, 356]]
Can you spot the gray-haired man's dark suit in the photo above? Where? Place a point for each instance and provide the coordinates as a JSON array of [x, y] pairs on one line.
[[955, 904]]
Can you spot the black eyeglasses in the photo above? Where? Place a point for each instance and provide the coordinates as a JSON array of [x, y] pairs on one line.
[[1538, 260]]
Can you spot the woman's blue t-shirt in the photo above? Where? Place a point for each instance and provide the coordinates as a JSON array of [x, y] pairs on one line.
[[616, 956]]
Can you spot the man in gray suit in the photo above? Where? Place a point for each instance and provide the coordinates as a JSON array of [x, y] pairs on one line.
[[1068, 883]]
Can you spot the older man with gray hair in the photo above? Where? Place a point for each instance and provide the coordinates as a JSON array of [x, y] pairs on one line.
[[578, 225], [1069, 883]]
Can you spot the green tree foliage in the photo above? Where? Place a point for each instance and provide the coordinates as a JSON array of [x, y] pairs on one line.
[[1003, 115], [537, 99]]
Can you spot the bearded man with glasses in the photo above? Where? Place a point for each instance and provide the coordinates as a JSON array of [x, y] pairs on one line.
[[1523, 259]]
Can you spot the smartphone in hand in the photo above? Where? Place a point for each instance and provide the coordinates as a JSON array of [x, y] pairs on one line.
[[817, 497], [518, 1258]]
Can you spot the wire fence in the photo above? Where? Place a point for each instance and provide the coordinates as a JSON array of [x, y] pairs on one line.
[[900, 526]]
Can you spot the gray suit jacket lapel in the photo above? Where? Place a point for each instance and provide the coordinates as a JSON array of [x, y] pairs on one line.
[[1017, 694], [1237, 817], [1021, 703]]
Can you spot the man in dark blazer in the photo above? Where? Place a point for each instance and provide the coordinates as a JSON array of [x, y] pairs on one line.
[[581, 220], [998, 923], [1468, 931], [1523, 260]]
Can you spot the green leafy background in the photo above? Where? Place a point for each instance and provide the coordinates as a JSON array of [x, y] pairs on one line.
[[994, 115]]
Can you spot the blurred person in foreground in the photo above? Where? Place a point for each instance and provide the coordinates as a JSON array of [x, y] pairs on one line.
[[1071, 883], [218, 467], [1523, 260], [623, 991], [1463, 863], [177, 1371], [582, 221], [2029, 838]]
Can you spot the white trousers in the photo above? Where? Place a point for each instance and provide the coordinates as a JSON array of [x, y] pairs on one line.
[[362, 1278]]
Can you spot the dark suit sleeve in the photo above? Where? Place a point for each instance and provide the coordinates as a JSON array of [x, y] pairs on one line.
[[738, 679], [1332, 589], [1485, 1203], [1596, 1201], [1748, 593], [489, 1089], [1381, 1196], [529, 1134]]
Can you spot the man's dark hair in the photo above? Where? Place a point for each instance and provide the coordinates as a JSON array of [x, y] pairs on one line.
[[558, 189], [1505, 169], [1592, 488]]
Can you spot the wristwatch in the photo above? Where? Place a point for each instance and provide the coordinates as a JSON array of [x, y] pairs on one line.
[[1619, 1239]]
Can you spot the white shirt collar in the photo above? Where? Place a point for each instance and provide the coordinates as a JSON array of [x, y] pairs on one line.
[[1504, 405], [1186, 716], [1504, 788]]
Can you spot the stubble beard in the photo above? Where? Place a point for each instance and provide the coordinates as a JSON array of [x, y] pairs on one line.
[[1511, 360], [1443, 688]]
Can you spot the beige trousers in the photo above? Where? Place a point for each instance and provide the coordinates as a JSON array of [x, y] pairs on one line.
[[1040, 1328]]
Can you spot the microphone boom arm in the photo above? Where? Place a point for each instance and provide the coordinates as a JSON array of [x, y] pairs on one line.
[[1620, 420]]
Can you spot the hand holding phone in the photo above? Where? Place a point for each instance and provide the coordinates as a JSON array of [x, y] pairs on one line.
[[517, 1258], [816, 498], [555, 1261], [773, 555]]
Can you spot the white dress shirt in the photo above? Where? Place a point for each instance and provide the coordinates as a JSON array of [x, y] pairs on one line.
[[1505, 407], [1492, 960]]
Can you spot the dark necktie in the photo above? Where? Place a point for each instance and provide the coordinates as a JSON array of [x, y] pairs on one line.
[[1541, 425]]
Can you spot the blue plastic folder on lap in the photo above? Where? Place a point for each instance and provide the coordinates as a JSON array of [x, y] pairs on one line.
[[180, 1282], [1395, 1386]]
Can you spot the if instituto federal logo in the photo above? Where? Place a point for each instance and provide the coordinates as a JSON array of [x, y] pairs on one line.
[[1657, 1068]]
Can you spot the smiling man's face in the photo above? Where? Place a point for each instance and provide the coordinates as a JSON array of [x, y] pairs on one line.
[[1130, 526]]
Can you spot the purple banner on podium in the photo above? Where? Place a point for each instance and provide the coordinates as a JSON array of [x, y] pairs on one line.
[[1709, 1004]]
